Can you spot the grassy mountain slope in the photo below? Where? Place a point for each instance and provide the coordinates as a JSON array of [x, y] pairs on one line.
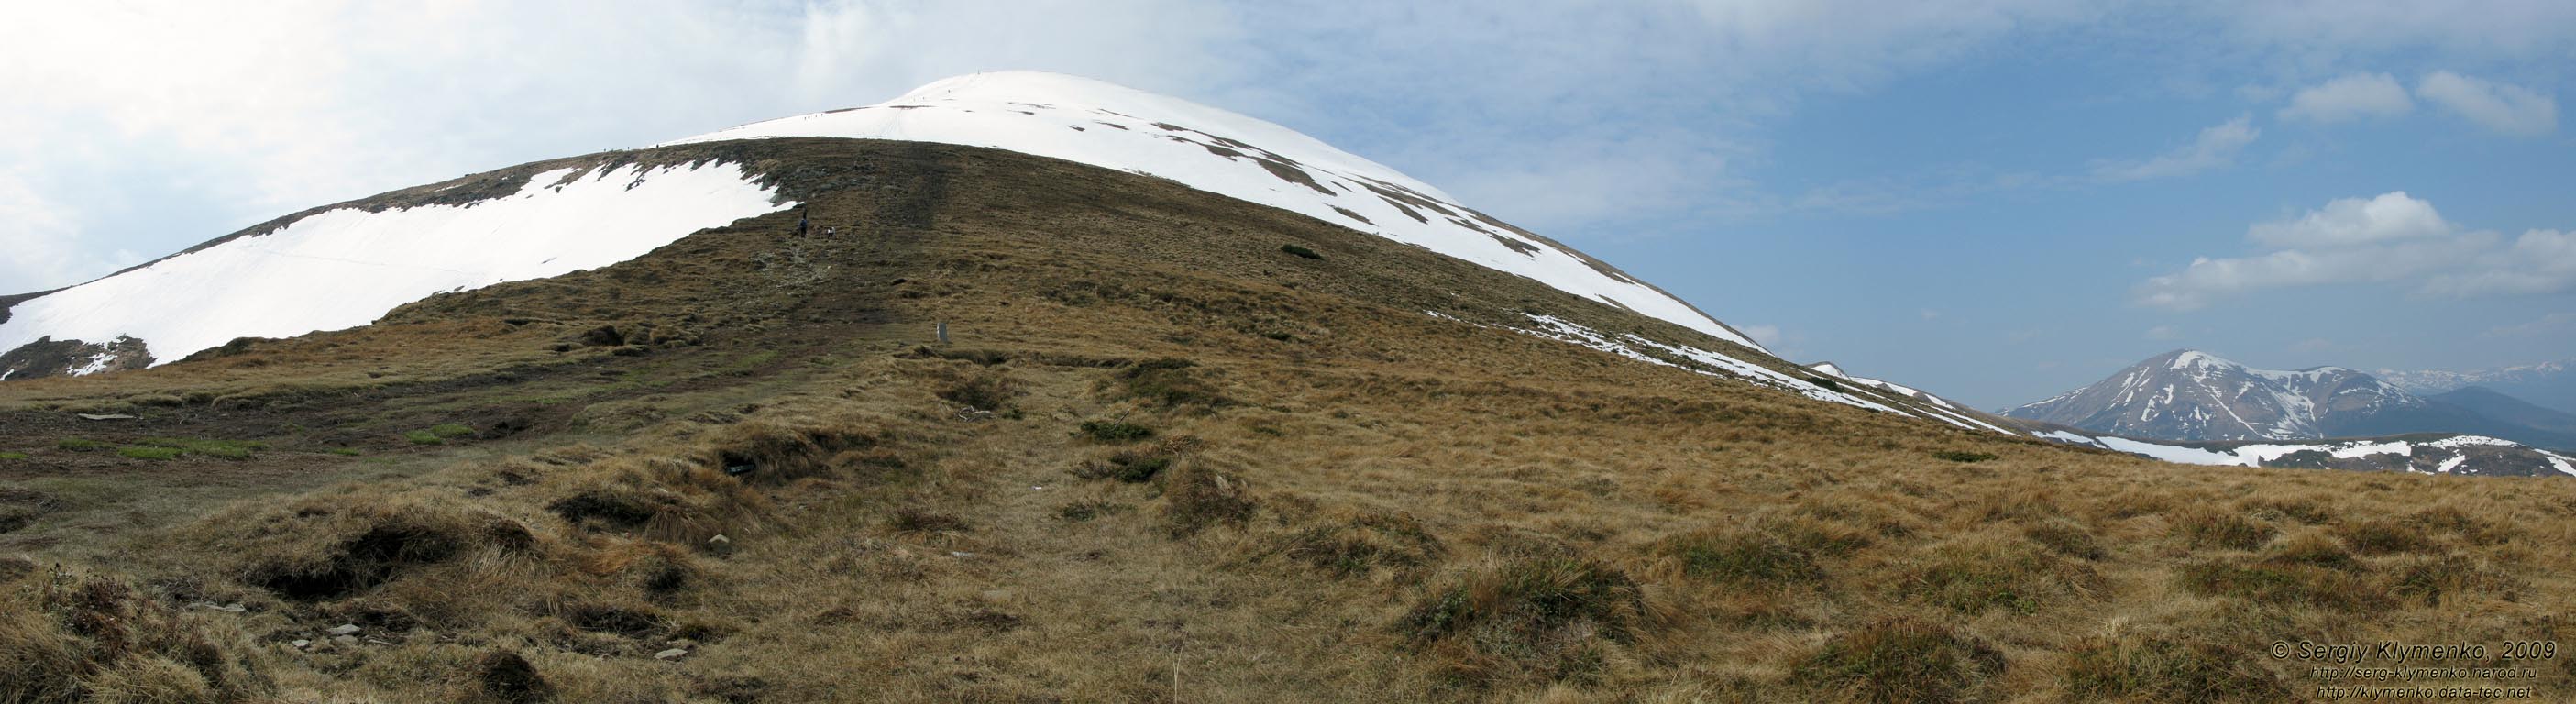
[[1163, 458]]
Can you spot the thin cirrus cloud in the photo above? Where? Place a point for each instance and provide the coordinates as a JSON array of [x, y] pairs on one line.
[[2393, 238], [2350, 97], [2214, 147], [2506, 109]]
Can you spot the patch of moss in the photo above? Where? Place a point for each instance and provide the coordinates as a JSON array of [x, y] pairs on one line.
[[148, 452]]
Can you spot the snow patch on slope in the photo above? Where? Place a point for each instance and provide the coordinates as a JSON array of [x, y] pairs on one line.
[[1112, 126], [2258, 455], [346, 267], [1711, 364]]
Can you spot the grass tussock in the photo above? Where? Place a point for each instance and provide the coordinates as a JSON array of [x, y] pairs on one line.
[[72, 637], [1170, 383], [1983, 571], [980, 389], [319, 548], [1541, 618], [2066, 537], [2284, 584], [1742, 557], [1196, 496], [1902, 659], [1114, 431], [2383, 536], [2155, 666], [770, 453], [2222, 529], [661, 498], [1357, 543]]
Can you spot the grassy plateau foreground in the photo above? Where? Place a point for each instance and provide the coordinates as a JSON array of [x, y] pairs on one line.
[[1177, 448]]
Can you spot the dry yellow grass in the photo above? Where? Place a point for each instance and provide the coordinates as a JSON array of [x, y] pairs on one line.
[[1383, 507]]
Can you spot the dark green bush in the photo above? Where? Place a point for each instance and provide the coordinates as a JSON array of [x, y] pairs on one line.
[[1115, 431]]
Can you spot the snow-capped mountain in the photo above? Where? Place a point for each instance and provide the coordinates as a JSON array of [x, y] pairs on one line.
[[2192, 396], [345, 265], [1112, 126], [2548, 384]]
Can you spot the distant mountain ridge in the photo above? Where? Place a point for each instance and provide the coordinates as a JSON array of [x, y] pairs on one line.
[[2548, 384], [2493, 404], [2194, 396]]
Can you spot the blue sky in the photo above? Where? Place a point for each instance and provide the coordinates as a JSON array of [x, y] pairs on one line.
[[1993, 199]]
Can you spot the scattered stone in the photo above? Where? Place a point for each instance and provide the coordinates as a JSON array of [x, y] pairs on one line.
[[960, 554], [344, 629], [300, 643], [672, 654], [104, 416], [380, 641], [351, 641], [719, 540]]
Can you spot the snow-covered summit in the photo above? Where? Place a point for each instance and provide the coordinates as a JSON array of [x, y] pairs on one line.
[[2195, 395], [1111, 126]]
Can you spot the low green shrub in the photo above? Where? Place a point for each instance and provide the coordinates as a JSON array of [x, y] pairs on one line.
[[1115, 431]]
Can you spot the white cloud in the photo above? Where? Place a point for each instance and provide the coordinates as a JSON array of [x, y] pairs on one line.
[[2505, 109], [2214, 147], [2540, 261], [2389, 238], [2349, 97], [2352, 221]]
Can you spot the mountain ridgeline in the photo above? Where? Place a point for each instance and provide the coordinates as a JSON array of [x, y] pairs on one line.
[[2188, 396]]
